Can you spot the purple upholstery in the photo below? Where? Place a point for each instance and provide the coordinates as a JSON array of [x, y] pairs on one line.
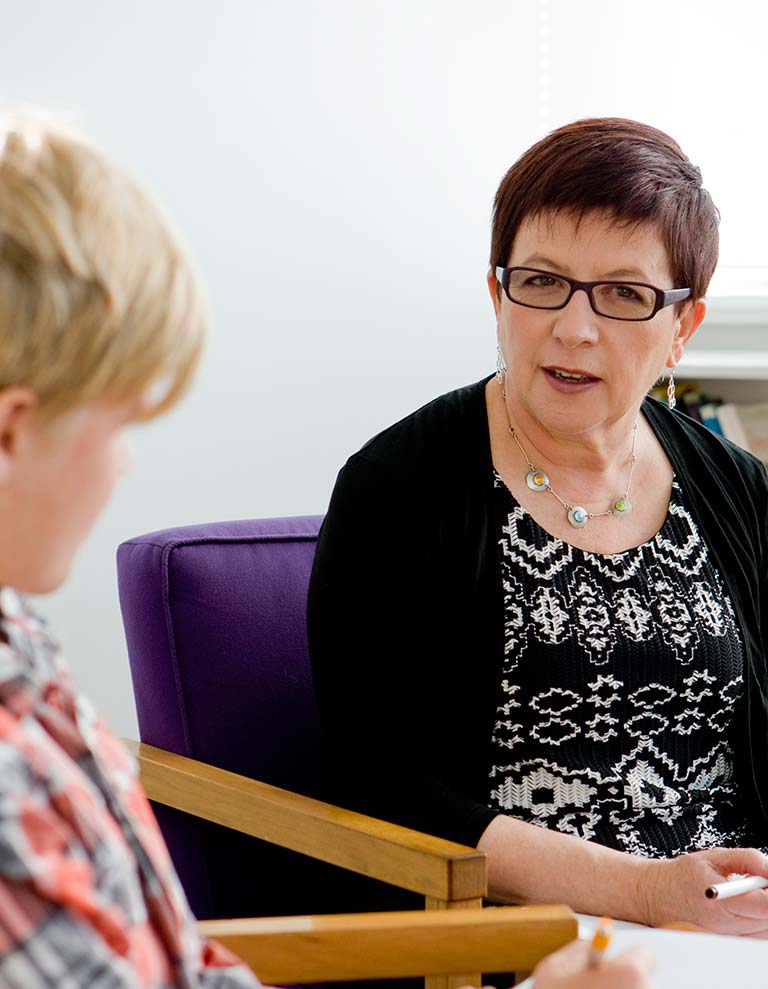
[[215, 624]]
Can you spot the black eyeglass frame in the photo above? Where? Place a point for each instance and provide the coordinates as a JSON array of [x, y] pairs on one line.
[[664, 297]]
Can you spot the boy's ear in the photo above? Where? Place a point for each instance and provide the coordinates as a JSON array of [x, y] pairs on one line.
[[17, 408]]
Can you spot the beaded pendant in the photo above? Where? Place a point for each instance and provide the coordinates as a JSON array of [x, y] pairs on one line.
[[537, 480], [578, 517]]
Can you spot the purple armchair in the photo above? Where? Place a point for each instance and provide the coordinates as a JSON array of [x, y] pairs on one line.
[[215, 623], [214, 619]]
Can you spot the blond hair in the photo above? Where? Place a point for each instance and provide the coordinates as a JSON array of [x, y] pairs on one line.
[[98, 302]]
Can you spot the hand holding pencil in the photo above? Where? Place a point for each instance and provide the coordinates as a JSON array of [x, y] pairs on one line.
[[582, 965]]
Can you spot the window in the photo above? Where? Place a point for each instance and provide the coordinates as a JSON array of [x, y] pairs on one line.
[[694, 69]]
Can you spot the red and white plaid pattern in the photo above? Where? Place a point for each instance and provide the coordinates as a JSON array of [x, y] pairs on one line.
[[88, 894]]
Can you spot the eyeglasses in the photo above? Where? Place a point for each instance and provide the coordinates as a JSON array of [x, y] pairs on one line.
[[539, 289]]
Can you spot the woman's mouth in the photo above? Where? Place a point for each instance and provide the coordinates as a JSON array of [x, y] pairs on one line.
[[570, 378]]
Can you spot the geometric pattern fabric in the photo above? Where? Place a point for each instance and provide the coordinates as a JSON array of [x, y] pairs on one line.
[[621, 680]]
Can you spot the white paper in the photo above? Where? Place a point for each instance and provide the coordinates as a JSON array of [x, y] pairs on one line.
[[687, 959]]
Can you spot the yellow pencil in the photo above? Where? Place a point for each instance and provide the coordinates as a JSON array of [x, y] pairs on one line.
[[600, 941]]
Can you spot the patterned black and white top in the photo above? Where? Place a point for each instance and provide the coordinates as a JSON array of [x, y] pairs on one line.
[[622, 677]]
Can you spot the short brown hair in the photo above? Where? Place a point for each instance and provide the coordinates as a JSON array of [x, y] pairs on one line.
[[630, 171], [98, 302]]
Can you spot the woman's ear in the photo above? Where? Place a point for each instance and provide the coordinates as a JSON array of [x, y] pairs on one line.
[[495, 289], [688, 322], [17, 410]]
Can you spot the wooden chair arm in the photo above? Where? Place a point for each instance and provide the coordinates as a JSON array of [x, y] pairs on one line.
[[438, 869], [394, 945]]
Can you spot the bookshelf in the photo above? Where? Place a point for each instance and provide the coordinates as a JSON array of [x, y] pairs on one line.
[[733, 375], [729, 353], [725, 364], [728, 360]]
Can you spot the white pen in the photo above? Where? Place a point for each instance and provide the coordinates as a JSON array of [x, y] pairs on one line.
[[735, 887]]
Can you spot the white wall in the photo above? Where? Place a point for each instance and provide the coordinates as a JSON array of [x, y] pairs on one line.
[[332, 166]]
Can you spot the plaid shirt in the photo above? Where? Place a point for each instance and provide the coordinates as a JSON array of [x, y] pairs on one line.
[[88, 895]]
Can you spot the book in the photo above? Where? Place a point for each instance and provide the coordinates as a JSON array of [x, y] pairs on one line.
[[709, 418], [731, 424], [690, 402], [754, 420]]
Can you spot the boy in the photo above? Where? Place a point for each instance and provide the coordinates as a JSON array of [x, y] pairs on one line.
[[101, 325]]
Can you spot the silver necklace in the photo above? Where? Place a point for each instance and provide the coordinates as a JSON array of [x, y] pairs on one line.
[[577, 515]]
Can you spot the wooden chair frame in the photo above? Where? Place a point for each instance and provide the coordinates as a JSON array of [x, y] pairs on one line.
[[450, 949]]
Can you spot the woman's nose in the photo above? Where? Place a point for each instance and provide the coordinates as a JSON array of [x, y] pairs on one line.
[[576, 323]]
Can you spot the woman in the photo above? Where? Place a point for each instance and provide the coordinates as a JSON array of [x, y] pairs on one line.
[[536, 615]]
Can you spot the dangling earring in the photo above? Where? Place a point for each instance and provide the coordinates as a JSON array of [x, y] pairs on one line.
[[501, 367], [671, 400]]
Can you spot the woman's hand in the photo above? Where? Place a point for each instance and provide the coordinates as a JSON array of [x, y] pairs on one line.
[[674, 889], [567, 969]]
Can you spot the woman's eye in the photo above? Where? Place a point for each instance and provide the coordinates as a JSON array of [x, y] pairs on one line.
[[626, 292], [543, 281]]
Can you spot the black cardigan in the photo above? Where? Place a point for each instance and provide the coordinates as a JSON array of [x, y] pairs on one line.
[[406, 612]]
